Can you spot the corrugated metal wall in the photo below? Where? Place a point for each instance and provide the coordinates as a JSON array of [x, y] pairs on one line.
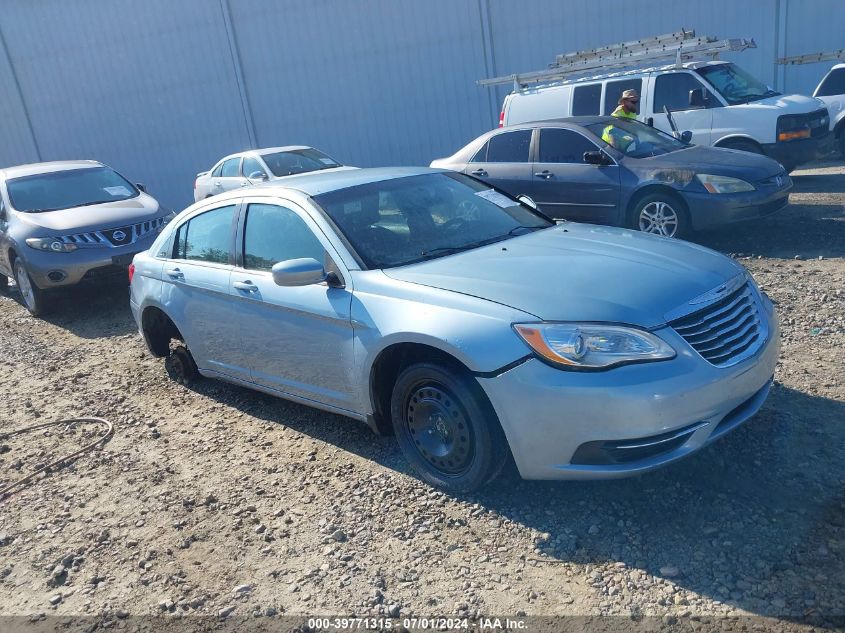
[[161, 89]]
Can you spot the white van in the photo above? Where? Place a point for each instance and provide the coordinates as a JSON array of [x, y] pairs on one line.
[[721, 104], [831, 91]]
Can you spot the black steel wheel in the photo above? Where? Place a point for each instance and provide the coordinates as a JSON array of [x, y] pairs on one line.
[[446, 428], [180, 365]]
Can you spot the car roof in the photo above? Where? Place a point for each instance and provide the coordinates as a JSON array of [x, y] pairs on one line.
[[317, 183], [49, 167], [264, 151]]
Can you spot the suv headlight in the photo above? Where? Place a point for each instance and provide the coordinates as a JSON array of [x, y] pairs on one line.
[[50, 244], [723, 184], [592, 346]]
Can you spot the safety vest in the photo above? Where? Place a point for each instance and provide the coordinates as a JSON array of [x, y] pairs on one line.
[[616, 137]]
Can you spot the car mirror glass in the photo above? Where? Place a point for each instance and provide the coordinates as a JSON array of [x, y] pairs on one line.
[[528, 201], [596, 158], [298, 272], [686, 137]]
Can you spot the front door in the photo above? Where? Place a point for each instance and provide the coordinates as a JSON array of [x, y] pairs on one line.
[[672, 91], [564, 186], [230, 177], [299, 339], [503, 162]]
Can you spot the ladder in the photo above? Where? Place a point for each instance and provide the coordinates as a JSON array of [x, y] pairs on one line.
[[680, 46], [812, 58]]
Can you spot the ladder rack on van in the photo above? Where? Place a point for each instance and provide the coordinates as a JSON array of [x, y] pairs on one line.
[[681, 46], [812, 58]]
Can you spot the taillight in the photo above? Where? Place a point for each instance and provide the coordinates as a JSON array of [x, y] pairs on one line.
[[502, 118], [131, 271]]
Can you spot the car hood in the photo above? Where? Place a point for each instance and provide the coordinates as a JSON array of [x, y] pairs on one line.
[[789, 104], [709, 160], [581, 272], [96, 216]]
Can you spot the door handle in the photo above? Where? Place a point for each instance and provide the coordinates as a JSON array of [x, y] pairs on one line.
[[478, 172], [175, 273], [218, 184], [544, 174], [246, 286]]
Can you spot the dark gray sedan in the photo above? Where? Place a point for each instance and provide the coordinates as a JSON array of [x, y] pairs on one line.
[[607, 170]]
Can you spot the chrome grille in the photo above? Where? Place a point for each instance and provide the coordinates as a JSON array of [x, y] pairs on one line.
[[726, 331], [105, 237]]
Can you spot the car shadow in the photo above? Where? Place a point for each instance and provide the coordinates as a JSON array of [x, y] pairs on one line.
[[72, 309], [755, 521]]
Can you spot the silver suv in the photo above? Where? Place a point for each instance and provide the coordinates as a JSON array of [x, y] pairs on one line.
[[65, 222]]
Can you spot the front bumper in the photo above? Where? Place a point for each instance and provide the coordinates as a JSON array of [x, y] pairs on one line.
[[549, 415], [709, 210], [792, 153], [54, 270]]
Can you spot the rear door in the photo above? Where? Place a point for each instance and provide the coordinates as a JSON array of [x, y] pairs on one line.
[[565, 186], [299, 339], [230, 176], [503, 161], [196, 291]]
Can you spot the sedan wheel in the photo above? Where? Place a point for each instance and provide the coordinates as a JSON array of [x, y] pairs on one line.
[[660, 215], [446, 428], [32, 295]]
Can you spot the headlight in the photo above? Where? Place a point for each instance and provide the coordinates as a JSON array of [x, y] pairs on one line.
[[591, 346], [723, 184], [50, 244]]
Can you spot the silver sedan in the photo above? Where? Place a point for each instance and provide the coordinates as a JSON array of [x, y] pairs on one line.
[[426, 303]]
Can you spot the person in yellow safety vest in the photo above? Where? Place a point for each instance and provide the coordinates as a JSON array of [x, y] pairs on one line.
[[626, 109]]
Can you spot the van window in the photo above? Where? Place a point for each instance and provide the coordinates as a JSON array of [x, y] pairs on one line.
[[563, 146], [586, 100], [614, 89], [509, 147], [672, 90], [834, 84]]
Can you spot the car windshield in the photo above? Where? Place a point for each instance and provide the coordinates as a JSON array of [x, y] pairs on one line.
[[635, 139], [405, 220], [298, 161], [68, 189], [734, 84]]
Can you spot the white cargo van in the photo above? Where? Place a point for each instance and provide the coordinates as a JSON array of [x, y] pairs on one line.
[[721, 104], [831, 90]]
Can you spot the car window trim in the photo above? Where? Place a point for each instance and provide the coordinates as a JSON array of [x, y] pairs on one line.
[[217, 204], [569, 129], [334, 253], [510, 131]]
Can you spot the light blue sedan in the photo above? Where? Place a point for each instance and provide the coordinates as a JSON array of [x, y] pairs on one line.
[[424, 302]]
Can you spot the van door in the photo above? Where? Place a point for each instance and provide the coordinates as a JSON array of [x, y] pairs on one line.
[[673, 91], [564, 186], [503, 161]]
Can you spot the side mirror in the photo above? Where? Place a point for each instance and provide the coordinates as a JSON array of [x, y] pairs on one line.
[[258, 175], [141, 186], [528, 202], [698, 98], [298, 272], [596, 158], [686, 137]]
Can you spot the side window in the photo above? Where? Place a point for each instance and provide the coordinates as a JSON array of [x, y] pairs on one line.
[[206, 237], [217, 170], [509, 147], [480, 155], [251, 166], [274, 234], [230, 168], [834, 84], [614, 89], [672, 90], [586, 100], [563, 146]]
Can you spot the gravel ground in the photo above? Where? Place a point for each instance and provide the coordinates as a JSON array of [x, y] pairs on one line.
[[221, 501]]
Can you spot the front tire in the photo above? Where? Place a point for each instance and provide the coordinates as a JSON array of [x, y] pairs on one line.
[[34, 299], [661, 214], [446, 428]]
